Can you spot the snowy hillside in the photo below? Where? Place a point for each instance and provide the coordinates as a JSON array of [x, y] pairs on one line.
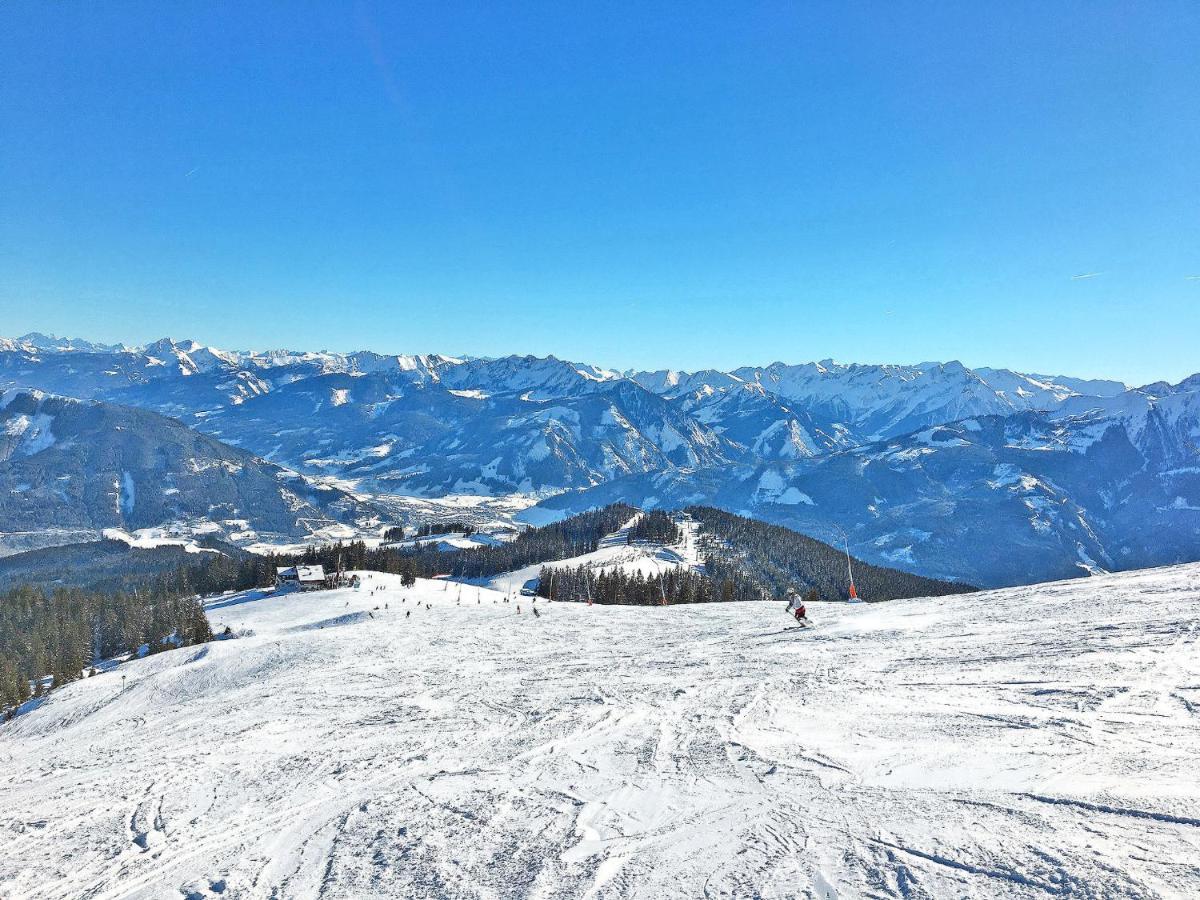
[[881, 401], [617, 553], [70, 470], [1028, 742]]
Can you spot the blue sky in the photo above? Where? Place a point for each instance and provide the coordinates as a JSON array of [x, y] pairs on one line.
[[636, 185]]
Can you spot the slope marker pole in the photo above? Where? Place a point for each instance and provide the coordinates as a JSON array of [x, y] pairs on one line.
[[849, 568]]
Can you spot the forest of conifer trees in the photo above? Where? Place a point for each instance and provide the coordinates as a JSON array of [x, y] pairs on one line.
[[657, 526], [63, 633], [615, 586], [776, 559]]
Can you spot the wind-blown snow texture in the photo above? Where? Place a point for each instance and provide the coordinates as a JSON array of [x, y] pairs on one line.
[[1028, 742]]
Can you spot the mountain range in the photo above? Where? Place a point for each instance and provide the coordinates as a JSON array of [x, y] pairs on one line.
[[71, 469], [986, 475]]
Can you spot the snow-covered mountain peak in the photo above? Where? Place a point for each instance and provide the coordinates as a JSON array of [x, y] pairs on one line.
[[778, 411], [673, 382], [162, 345], [539, 377], [55, 344]]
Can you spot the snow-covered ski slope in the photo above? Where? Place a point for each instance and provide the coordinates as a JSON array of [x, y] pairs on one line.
[[1029, 742]]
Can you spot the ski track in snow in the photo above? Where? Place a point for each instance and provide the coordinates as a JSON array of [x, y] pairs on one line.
[[1030, 742]]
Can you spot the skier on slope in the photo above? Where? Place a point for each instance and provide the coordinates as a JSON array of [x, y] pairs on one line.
[[796, 606]]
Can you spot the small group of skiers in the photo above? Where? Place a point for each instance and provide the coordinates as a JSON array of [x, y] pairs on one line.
[[429, 606]]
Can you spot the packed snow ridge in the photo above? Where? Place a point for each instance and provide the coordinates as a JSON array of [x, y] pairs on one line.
[[438, 741]]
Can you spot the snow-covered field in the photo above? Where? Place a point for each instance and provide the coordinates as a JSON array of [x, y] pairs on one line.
[[1029, 742]]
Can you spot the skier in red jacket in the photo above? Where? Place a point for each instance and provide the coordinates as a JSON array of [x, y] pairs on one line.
[[796, 606]]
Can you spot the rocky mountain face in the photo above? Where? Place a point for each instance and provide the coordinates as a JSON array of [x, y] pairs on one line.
[[993, 500], [861, 403], [436, 424], [1061, 474], [78, 467], [420, 437], [414, 424]]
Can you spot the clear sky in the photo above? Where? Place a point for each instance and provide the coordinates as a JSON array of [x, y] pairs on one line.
[[636, 185]]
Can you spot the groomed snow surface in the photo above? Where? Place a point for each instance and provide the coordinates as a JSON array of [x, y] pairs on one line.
[[1030, 742]]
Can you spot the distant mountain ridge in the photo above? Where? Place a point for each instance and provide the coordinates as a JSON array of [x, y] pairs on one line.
[[991, 499], [614, 424], [807, 445]]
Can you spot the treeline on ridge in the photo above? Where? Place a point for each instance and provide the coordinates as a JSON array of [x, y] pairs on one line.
[[744, 560], [618, 587], [451, 527], [573, 536], [776, 558], [656, 525]]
